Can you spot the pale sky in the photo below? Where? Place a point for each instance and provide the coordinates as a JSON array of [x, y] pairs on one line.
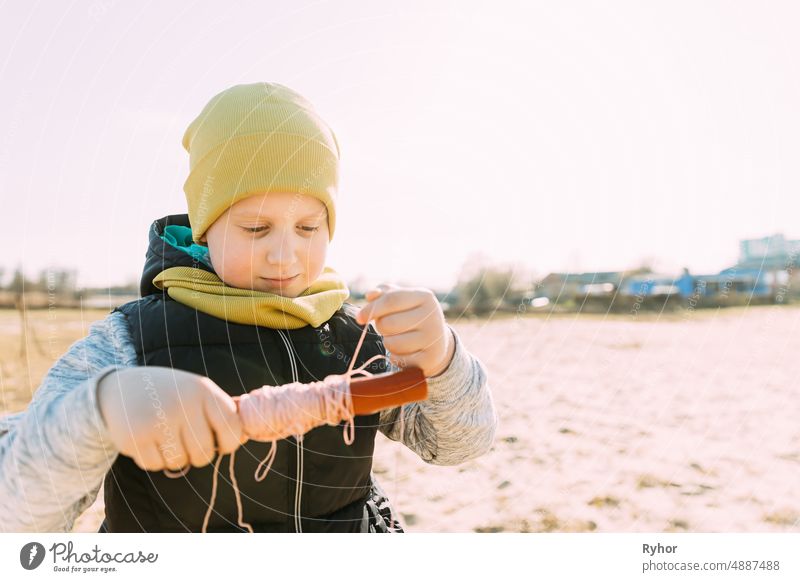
[[549, 135]]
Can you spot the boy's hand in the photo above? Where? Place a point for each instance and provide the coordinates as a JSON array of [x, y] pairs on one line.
[[412, 324], [167, 419]]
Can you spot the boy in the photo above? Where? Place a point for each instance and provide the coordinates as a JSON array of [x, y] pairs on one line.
[[235, 296]]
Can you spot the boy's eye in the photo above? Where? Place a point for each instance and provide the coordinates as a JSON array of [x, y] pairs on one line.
[[256, 229]]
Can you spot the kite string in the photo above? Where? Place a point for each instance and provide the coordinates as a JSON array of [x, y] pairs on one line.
[[331, 400]]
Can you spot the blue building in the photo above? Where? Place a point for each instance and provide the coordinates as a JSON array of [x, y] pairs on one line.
[[764, 270], [765, 266], [654, 285], [729, 282], [770, 253]]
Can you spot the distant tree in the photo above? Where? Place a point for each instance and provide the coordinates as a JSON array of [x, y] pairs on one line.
[[66, 281], [60, 282], [646, 266], [19, 283], [485, 291]]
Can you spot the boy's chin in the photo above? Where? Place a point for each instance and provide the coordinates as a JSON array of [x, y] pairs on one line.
[[290, 290]]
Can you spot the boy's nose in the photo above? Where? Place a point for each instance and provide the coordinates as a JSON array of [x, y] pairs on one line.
[[281, 253]]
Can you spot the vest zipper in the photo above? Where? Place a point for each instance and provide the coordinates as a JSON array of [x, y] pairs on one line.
[[298, 489]]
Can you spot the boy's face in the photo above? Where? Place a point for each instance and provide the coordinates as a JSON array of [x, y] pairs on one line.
[[267, 237]]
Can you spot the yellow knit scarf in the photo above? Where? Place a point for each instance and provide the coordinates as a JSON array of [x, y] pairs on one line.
[[206, 292]]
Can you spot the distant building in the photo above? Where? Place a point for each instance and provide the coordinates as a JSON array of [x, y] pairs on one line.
[[768, 263], [769, 253], [765, 267], [568, 285], [655, 285]]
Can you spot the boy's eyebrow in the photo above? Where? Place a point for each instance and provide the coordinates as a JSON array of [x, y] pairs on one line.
[[244, 214]]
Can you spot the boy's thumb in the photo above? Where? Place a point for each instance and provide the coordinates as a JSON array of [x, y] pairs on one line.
[[373, 293], [378, 290]]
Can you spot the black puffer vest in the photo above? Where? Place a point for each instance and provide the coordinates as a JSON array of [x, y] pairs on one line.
[[338, 490]]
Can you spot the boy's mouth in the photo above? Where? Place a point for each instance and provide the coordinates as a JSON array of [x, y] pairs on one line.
[[280, 281]]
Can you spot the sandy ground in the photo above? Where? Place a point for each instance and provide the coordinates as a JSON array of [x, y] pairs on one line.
[[637, 423], [626, 424]]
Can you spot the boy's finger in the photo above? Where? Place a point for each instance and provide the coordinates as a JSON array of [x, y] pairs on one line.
[[374, 293], [147, 456], [173, 452], [364, 315], [226, 424], [388, 303], [198, 438], [243, 438]]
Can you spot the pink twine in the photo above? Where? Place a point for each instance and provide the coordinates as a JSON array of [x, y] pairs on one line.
[[271, 413]]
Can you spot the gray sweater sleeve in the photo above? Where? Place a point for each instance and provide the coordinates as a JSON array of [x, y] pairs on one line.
[[457, 422], [54, 454]]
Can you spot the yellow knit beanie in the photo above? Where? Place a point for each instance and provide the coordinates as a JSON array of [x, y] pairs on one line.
[[253, 139]]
